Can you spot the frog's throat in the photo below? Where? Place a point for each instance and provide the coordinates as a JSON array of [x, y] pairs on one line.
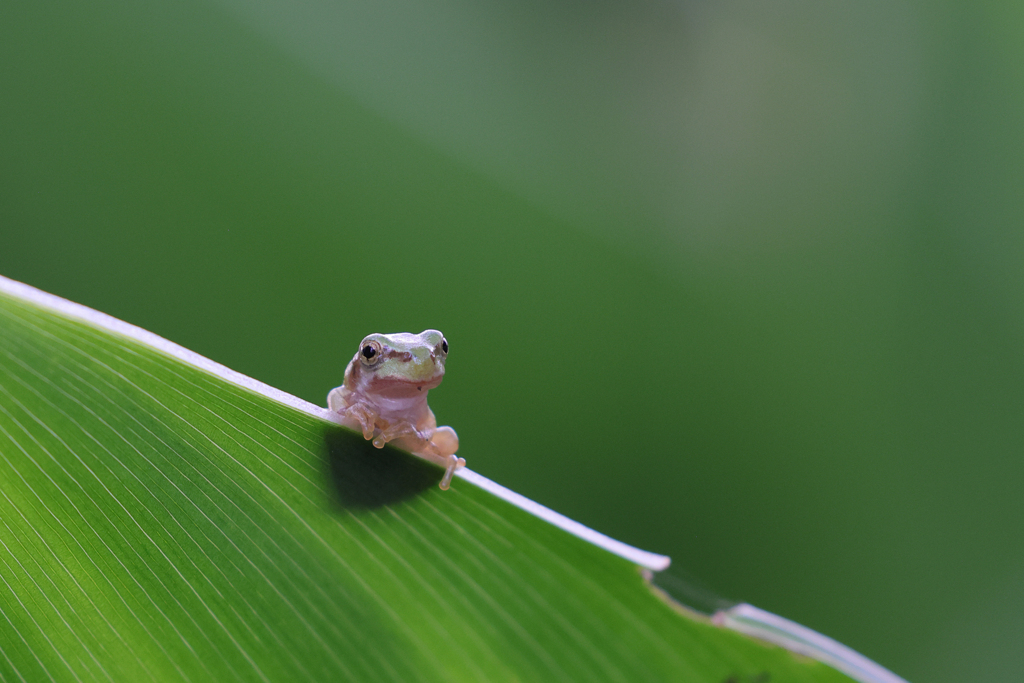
[[403, 407]]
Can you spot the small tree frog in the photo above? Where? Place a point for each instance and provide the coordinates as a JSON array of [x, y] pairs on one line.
[[385, 395]]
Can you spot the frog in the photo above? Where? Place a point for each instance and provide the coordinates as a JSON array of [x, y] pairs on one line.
[[384, 395]]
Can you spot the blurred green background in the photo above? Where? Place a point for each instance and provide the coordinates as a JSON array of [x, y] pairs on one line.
[[738, 282]]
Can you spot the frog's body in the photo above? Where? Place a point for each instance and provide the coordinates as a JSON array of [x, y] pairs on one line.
[[385, 395]]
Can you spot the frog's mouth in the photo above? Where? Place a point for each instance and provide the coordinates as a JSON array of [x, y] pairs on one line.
[[393, 386]]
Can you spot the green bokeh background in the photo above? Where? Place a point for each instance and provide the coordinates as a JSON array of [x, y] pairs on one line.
[[740, 283]]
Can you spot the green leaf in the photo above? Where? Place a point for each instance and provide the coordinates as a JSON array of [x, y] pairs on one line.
[[160, 522]]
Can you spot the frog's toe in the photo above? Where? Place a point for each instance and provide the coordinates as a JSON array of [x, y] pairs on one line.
[[454, 464]]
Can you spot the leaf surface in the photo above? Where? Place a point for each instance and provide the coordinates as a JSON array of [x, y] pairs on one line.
[[159, 522]]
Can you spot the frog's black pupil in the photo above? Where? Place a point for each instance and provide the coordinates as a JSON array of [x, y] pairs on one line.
[[444, 345], [369, 352]]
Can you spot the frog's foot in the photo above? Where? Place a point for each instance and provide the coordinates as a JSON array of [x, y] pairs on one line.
[[454, 463], [360, 415], [410, 436]]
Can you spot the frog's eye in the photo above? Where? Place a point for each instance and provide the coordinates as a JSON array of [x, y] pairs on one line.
[[444, 345], [369, 353]]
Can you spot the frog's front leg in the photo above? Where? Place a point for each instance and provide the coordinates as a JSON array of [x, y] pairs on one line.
[[356, 414], [413, 439]]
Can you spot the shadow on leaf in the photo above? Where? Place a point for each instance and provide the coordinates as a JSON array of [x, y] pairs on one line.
[[364, 477]]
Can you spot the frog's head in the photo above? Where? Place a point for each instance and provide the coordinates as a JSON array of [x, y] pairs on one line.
[[394, 364]]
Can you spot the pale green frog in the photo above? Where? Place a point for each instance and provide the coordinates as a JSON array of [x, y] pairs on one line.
[[385, 395]]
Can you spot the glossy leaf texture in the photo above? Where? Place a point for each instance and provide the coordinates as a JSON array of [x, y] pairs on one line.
[[158, 522]]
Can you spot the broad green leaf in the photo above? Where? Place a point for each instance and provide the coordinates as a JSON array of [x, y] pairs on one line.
[[159, 522]]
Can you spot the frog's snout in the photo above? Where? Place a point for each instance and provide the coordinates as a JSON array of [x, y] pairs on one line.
[[424, 365], [424, 357]]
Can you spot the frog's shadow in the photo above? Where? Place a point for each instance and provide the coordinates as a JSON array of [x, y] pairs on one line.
[[363, 477]]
